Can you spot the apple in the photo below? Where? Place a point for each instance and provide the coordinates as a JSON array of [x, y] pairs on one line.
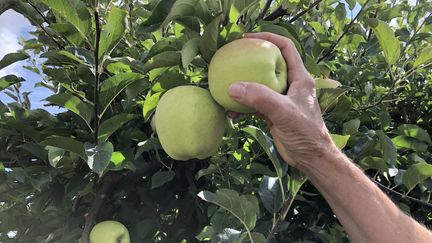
[[189, 123], [109, 232], [246, 60], [321, 83]]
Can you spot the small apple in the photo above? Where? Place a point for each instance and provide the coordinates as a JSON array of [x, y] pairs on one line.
[[246, 60], [109, 232], [321, 83], [189, 123]]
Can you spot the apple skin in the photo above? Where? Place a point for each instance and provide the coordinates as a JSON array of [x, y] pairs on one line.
[[189, 123], [321, 83], [109, 232], [246, 60]]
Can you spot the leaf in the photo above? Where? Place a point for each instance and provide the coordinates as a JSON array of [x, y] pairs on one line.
[[150, 104], [387, 40], [99, 156], [73, 11], [55, 155], [271, 194], [414, 131], [245, 207], [73, 104], [112, 87], [158, 15], [267, 144], [209, 41], [10, 58], [111, 125], [189, 51], [388, 148], [405, 142], [113, 31], [9, 80], [416, 174], [66, 143], [340, 140], [2, 168], [351, 127], [181, 8], [340, 11], [328, 98], [162, 177], [147, 145], [376, 163], [424, 57], [26, 130]]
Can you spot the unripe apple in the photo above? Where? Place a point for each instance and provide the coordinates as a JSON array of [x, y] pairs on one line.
[[109, 232], [189, 123], [246, 60]]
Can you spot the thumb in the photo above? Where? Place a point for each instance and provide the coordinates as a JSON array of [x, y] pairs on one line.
[[258, 96]]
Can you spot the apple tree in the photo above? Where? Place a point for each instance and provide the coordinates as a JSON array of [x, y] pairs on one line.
[[107, 64]]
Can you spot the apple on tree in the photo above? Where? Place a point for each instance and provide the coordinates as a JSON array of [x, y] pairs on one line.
[[189, 123], [109, 232], [246, 60]]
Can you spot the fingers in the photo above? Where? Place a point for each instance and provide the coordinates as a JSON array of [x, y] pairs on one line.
[[258, 96], [287, 47]]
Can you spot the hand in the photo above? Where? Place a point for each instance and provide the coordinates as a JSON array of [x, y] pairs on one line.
[[295, 120]]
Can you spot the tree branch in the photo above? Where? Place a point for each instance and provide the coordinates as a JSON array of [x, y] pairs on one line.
[[42, 27], [304, 11], [264, 10], [97, 73], [404, 196], [285, 208], [347, 27]]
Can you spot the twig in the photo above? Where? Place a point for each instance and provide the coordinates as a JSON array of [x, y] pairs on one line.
[[97, 73], [285, 208], [347, 27], [279, 12], [42, 27], [264, 10], [404, 196], [304, 11], [415, 33]]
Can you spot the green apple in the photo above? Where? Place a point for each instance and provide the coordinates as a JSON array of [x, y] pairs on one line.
[[189, 123], [246, 60], [109, 232], [321, 83]]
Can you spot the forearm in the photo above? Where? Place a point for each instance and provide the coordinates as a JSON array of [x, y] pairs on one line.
[[366, 213]]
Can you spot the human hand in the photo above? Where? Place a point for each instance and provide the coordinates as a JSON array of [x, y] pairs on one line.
[[295, 119]]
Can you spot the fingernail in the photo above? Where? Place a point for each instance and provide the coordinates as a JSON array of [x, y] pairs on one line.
[[237, 91]]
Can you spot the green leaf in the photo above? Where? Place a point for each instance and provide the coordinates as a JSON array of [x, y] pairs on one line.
[[147, 145], [328, 98], [73, 11], [340, 140], [111, 125], [68, 144], [150, 104], [245, 207], [340, 11], [2, 168], [416, 174], [424, 57], [10, 58], [99, 156], [9, 80], [387, 40], [209, 41], [55, 155], [388, 148], [162, 177], [113, 31], [158, 15], [267, 144], [271, 194], [351, 127], [189, 51], [414, 131], [351, 4], [181, 8], [112, 87], [405, 142], [26, 130], [376, 163], [164, 59], [73, 104]]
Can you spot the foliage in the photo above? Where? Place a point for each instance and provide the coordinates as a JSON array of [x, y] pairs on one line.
[[101, 160]]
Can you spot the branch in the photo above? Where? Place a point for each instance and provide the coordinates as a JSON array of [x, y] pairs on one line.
[[347, 27], [264, 10], [415, 33], [97, 73], [304, 11], [42, 27], [404, 196], [285, 208]]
